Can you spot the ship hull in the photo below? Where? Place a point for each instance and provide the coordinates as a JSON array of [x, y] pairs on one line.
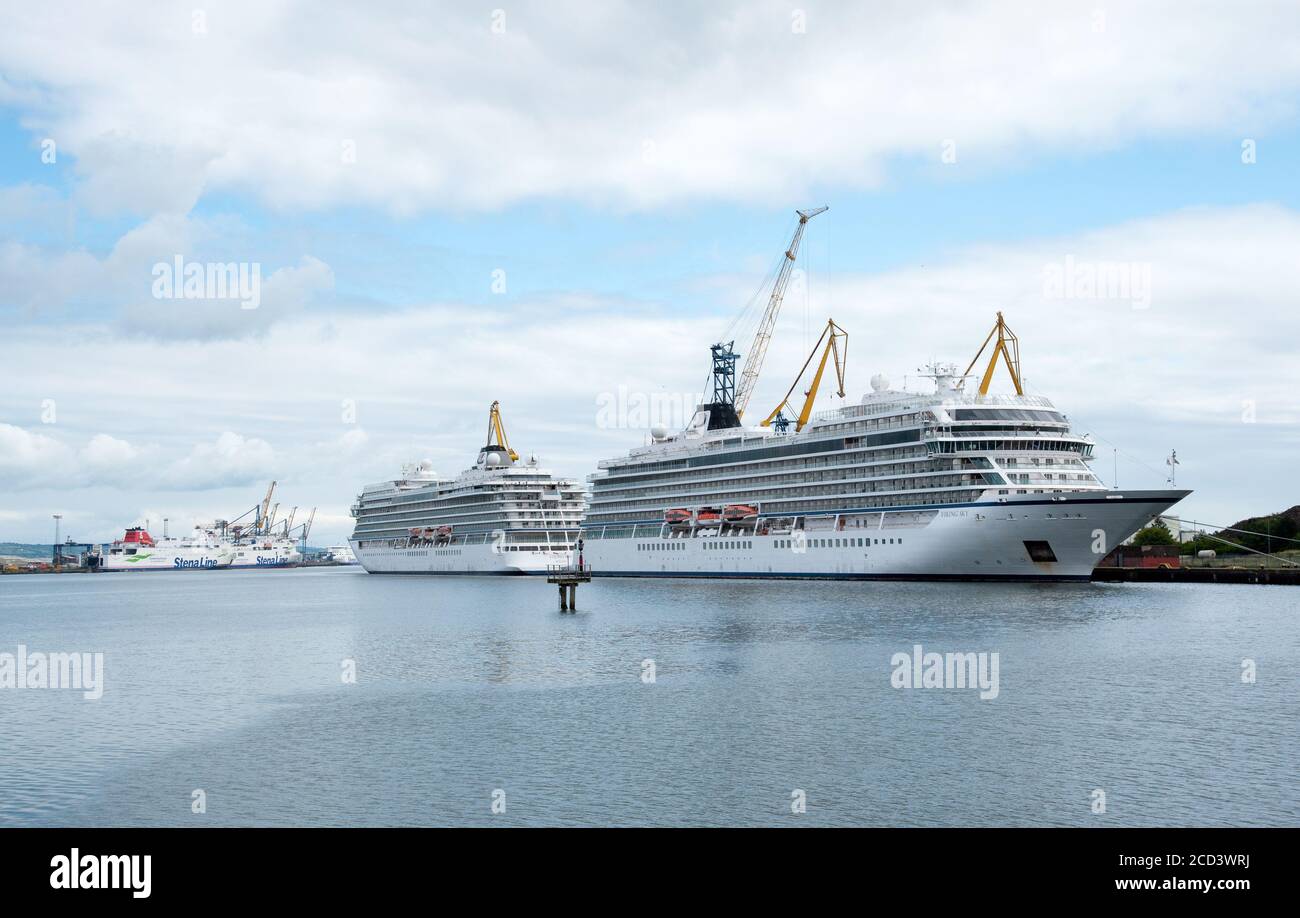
[[457, 559], [166, 561], [1037, 538]]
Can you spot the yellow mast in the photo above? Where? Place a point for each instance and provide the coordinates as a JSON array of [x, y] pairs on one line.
[[497, 429], [836, 334], [1012, 356]]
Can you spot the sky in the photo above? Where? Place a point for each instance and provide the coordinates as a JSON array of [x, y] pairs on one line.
[[562, 205]]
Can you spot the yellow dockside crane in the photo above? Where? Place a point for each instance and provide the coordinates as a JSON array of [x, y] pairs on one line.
[[497, 429], [1011, 354], [833, 335]]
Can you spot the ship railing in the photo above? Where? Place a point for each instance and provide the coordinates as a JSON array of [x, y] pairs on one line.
[[584, 568], [1014, 401]]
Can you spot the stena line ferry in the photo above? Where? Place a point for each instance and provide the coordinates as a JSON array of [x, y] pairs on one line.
[[137, 550]]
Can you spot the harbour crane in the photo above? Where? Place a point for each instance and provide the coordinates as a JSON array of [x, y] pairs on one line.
[[1011, 354], [261, 522], [497, 429], [757, 351], [832, 334]]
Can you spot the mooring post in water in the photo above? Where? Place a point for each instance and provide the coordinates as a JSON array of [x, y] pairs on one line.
[[568, 578]]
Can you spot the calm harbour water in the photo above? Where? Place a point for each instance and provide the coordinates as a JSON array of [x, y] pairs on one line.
[[231, 682]]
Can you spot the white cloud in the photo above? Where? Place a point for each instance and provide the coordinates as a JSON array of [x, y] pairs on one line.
[[627, 104], [27, 457], [231, 461], [44, 280], [107, 459], [276, 297], [31, 460]]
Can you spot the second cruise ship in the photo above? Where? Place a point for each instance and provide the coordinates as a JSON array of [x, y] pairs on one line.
[[501, 516]]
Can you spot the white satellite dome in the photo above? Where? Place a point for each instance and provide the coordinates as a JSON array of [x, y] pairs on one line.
[[658, 432], [879, 382], [493, 459]]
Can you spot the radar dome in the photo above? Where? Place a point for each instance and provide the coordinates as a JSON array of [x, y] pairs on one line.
[[658, 432], [879, 382], [493, 459]]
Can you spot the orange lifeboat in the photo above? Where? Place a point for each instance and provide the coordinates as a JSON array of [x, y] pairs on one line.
[[677, 517], [739, 513], [707, 516]]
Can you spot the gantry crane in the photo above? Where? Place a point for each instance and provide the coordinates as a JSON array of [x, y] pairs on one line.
[[832, 334], [757, 351], [497, 429], [1011, 354]]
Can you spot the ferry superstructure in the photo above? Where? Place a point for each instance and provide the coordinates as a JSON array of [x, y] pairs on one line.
[[952, 484], [503, 515], [265, 552], [202, 549]]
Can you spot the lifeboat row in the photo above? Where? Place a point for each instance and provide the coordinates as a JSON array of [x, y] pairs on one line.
[[733, 514], [430, 535]]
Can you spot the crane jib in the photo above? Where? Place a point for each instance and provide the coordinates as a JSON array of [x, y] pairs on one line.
[[754, 361]]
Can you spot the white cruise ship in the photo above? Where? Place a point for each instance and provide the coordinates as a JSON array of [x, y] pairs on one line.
[[502, 516], [202, 549], [952, 484]]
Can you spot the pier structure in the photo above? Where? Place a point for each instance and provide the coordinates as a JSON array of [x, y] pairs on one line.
[[568, 576]]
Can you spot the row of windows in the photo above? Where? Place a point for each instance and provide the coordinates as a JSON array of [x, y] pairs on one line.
[[768, 450], [791, 505], [772, 468], [835, 543], [662, 546], [596, 524], [829, 468], [840, 483]]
